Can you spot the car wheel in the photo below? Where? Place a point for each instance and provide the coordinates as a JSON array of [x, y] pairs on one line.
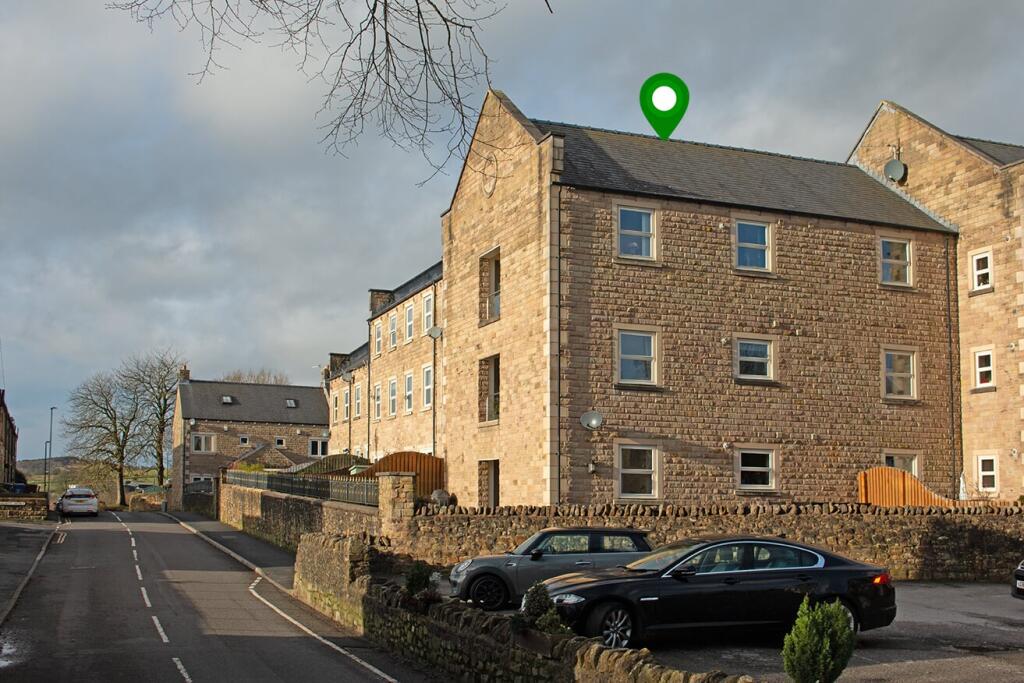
[[851, 616], [489, 593], [613, 624]]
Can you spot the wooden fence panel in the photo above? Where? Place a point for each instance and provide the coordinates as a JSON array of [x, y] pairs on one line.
[[428, 468], [893, 487]]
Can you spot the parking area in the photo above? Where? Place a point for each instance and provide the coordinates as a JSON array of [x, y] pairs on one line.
[[943, 632]]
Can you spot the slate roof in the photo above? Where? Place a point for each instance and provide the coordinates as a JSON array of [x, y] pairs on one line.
[[646, 165], [1003, 152], [411, 286], [272, 457], [201, 399]]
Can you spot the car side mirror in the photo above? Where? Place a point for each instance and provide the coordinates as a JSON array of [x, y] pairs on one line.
[[536, 554], [684, 571]]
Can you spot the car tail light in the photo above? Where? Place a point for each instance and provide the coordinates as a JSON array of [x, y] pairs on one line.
[[883, 579]]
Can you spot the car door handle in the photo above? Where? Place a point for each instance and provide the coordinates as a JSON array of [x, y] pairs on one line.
[[730, 581], [803, 577], [584, 563]]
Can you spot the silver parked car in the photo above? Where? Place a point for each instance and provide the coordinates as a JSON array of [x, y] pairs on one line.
[[495, 581]]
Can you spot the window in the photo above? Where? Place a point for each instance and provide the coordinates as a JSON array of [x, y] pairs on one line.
[[243, 440], [490, 286], [756, 468], [773, 556], [901, 461], [721, 558], [637, 363], [636, 233], [377, 338], [346, 395], [202, 443], [393, 330], [895, 261], [280, 442], [490, 389], [637, 471], [226, 400], [408, 392], [753, 248], [898, 370], [359, 400], [392, 396], [410, 317], [428, 311], [376, 401], [318, 447], [615, 543], [753, 358], [290, 403], [565, 544], [981, 271], [983, 374], [428, 386], [334, 399], [987, 476]]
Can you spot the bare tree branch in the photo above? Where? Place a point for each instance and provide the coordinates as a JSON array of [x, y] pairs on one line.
[[261, 376], [154, 377]]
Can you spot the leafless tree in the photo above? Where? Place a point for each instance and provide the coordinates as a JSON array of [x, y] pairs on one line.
[[106, 425], [409, 67], [154, 377], [261, 376]]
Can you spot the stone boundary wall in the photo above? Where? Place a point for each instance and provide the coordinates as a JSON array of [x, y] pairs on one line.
[[23, 506], [199, 503]]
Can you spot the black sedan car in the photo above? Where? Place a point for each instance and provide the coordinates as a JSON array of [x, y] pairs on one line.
[[1018, 582], [719, 581]]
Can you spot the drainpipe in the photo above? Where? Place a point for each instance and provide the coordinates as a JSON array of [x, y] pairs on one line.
[[949, 341], [558, 361]]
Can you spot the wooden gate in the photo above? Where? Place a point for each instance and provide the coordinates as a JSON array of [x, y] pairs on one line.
[[893, 487], [428, 468]]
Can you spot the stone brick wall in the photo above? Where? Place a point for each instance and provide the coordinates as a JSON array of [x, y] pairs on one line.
[[23, 506], [985, 202], [332, 575], [200, 503]]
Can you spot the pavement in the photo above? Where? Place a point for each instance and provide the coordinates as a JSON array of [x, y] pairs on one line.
[[20, 543], [135, 596], [943, 632]]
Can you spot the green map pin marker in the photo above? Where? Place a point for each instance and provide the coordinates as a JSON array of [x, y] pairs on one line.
[[663, 99]]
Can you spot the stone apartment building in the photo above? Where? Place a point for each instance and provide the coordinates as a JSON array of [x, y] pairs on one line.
[[8, 441], [977, 185], [219, 423], [628, 319]]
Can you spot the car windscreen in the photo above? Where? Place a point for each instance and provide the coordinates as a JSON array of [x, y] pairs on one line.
[[664, 557], [525, 545]]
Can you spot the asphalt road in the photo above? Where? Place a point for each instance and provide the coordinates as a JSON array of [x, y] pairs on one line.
[[139, 598]]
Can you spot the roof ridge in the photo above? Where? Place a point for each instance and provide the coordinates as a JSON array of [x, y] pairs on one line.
[[694, 142], [417, 275], [994, 142], [252, 384]]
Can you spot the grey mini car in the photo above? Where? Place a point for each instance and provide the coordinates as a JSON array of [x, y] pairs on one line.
[[496, 581]]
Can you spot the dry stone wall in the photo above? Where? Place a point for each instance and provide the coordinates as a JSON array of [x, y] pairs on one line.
[[23, 506]]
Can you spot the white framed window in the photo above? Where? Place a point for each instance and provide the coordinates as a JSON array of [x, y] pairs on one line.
[[984, 369], [754, 358], [753, 246], [637, 470], [637, 357], [410, 317], [280, 442], [901, 460], [896, 261], [428, 311], [393, 330], [359, 400], [334, 413], [981, 271], [393, 396], [318, 448], [377, 338], [243, 440], [428, 386], [636, 233], [899, 373], [346, 395], [376, 401], [988, 473], [203, 443], [407, 398], [755, 468]]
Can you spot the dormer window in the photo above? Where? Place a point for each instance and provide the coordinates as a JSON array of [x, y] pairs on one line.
[[226, 400], [289, 403]]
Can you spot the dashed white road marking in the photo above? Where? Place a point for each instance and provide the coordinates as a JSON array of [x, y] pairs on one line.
[[160, 629], [181, 669], [116, 517], [366, 665], [60, 537], [145, 596], [138, 572], [135, 554], [133, 541]]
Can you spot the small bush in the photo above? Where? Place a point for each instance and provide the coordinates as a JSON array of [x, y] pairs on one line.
[[550, 622], [820, 644], [417, 578], [536, 603]]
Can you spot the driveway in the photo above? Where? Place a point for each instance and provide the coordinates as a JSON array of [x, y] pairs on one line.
[[943, 632]]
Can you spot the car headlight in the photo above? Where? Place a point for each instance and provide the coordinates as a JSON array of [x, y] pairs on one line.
[[568, 599], [462, 566]]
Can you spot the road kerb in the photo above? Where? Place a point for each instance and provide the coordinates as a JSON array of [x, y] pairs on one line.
[[24, 582]]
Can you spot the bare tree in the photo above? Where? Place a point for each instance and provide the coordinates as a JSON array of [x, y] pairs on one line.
[[261, 376], [406, 66], [154, 377], [105, 425]]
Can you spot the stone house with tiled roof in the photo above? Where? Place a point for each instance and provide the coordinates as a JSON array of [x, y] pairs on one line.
[[8, 442], [217, 424]]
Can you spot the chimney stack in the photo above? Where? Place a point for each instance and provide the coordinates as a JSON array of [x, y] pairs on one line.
[[183, 373]]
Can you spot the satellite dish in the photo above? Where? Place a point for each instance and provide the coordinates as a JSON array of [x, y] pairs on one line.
[[895, 170]]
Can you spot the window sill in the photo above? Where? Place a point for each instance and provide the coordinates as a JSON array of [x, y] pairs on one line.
[[391, 417], [754, 381], [773, 493], [983, 390], [426, 408], [488, 423], [625, 386], [627, 261], [487, 321], [979, 292], [633, 500], [766, 274], [893, 401], [896, 287]]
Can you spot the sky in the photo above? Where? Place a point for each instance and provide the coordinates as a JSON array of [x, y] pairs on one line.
[[140, 209]]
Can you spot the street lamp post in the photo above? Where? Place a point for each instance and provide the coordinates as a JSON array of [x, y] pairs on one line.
[[46, 471], [46, 465]]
